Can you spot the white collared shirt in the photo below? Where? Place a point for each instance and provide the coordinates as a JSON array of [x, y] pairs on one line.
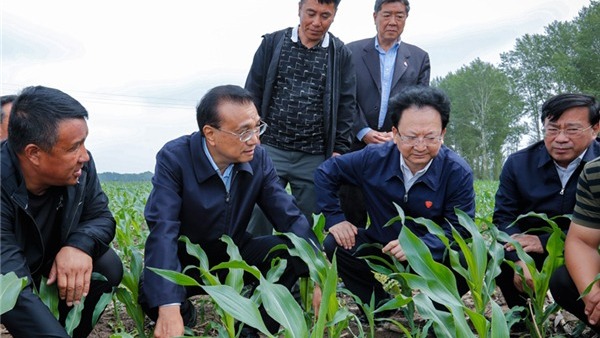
[[565, 173], [324, 42], [409, 177]]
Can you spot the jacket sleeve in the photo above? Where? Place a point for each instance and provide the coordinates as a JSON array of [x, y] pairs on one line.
[[162, 216], [255, 81], [96, 226], [328, 178], [346, 110], [425, 71], [280, 207]]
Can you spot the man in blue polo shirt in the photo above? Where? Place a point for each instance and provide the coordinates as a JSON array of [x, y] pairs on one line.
[[415, 171]]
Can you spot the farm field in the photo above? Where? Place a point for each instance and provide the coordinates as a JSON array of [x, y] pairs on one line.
[[123, 317]]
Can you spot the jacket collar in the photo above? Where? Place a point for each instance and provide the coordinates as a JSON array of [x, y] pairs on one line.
[[203, 170], [432, 176], [13, 183]]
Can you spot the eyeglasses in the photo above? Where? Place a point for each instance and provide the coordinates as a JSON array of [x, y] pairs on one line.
[[569, 132], [247, 135], [414, 140]]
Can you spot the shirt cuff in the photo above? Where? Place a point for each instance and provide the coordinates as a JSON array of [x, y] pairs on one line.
[[362, 133]]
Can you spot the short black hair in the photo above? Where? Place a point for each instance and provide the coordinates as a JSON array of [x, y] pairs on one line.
[[5, 99], [335, 3], [379, 4], [419, 96], [35, 116], [207, 112], [555, 106]]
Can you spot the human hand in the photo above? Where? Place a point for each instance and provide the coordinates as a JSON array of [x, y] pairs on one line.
[[374, 136], [394, 249], [72, 271], [169, 322], [517, 278], [529, 243], [344, 234], [316, 300]]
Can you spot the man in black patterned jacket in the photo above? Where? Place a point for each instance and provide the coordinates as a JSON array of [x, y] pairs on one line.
[[304, 84]]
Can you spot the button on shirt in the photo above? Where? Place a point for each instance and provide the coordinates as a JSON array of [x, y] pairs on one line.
[[387, 62]]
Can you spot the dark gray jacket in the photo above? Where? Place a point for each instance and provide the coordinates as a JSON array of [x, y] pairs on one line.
[[340, 90]]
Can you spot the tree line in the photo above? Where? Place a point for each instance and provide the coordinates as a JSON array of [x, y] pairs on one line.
[[496, 109]]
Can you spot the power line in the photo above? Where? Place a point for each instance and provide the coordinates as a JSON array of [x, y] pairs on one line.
[[114, 98]]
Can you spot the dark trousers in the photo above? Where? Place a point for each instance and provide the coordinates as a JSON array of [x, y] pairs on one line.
[[253, 251], [353, 205], [296, 169], [566, 295], [356, 273], [505, 281], [31, 318]]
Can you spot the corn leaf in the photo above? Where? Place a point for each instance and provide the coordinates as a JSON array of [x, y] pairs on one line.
[[10, 288]]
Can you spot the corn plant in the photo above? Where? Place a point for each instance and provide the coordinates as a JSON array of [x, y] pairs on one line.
[[484, 203], [331, 319], [541, 279], [438, 299], [388, 272], [229, 304], [127, 203], [49, 296]]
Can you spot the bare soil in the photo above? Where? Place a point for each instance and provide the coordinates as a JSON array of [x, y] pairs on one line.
[[563, 324]]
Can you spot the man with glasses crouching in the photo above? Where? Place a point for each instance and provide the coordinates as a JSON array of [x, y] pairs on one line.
[[542, 178], [205, 186], [415, 171]]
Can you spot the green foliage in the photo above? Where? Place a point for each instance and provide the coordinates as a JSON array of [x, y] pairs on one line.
[[127, 202], [49, 296], [10, 288], [541, 279], [437, 283], [485, 115]]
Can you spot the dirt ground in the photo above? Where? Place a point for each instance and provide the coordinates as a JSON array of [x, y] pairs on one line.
[[563, 325]]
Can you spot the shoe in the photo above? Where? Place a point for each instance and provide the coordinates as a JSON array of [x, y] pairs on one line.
[[188, 312], [249, 332]]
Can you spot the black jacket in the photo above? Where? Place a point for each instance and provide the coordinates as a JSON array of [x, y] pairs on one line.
[[87, 223], [340, 89]]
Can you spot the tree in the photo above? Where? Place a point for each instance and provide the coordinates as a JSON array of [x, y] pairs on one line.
[[586, 60], [485, 120], [529, 69]]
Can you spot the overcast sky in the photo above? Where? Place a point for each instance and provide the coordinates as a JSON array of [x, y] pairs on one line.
[[140, 67]]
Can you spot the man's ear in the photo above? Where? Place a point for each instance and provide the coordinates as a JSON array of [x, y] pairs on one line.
[[209, 134], [32, 152]]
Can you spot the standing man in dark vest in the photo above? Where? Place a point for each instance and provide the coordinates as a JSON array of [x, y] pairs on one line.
[[304, 85]]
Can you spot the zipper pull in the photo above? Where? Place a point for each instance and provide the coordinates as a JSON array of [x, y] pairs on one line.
[[562, 191], [227, 198], [406, 197]]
